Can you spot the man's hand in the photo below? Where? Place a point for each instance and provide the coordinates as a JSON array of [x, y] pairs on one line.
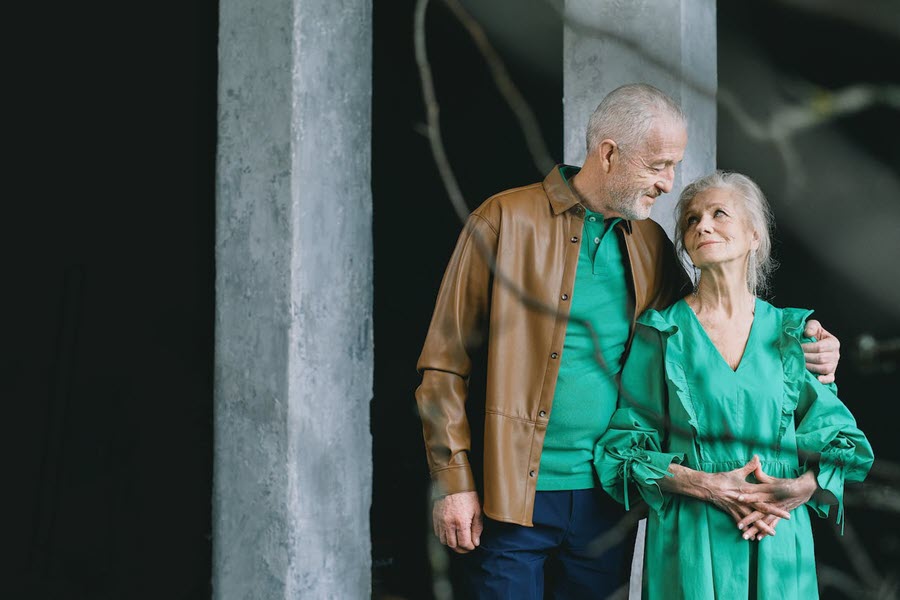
[[457, 521], [822, 356], [786, 494]]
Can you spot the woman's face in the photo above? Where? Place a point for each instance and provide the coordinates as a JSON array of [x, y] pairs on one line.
[[717, 230]]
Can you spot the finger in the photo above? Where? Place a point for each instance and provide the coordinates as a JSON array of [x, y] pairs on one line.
[[751, 465], [761, 475], [450, 534], [750, 519], [464, 537], [772, 509], [822, 359], [764, 527], [771, 521], [477, 528], [756, 498], [814, 329], [766, 509], [826, 378]]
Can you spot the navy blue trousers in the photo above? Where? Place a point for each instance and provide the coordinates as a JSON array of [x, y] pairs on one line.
[[566, 555]]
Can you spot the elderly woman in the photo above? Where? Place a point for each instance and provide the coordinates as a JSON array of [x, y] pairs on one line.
[[720, 427]]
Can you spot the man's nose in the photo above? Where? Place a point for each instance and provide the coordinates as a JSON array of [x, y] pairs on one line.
[[667, 180]]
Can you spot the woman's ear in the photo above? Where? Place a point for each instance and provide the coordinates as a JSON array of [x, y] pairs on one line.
[[754, 241]]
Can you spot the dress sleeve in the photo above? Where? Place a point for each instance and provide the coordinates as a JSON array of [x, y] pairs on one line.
[[827, 434], [629, 453]]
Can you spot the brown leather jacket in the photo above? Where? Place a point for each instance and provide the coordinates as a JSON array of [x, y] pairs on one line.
[[510, 278]]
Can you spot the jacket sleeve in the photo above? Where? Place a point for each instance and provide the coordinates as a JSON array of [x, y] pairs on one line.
[[827, 434], [458, 326], [630, 453]]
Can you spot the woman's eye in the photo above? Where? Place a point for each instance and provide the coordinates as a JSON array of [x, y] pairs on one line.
[[720, 213], [691, 220]]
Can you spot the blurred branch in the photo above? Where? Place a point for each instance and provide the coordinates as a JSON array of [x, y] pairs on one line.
[[820, 106], [861, 562], [882, 16], [664, 64], [527, 121], [871, 495]]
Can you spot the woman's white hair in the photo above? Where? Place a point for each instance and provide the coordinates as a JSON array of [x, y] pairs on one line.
[[758, 214], [627, 113]]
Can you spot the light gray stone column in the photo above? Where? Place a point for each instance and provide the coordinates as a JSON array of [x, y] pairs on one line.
[[670, 44], [293, 351]]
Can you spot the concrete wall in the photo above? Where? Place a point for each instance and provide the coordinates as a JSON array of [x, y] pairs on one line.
[[294, 352], [670, 44]]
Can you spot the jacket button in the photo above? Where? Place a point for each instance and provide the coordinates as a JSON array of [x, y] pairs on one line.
[[543, 413], [531, 473], [574, 238], [565, 296], [554, 355]]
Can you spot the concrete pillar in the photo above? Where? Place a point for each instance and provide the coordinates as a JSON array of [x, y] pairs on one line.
[[293, 374], [670, 44]]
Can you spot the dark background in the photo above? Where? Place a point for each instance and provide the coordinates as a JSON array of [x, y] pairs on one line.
[[109, 330]]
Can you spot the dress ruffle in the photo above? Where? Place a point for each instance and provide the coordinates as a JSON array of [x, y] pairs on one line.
[[643, 462], [631, 454]]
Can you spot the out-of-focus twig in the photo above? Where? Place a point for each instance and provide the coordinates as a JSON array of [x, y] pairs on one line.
[[521, 109], [821, 106], [663, 64]]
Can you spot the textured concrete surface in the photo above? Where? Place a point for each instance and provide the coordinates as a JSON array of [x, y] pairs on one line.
[[294, 355], [667, 43]]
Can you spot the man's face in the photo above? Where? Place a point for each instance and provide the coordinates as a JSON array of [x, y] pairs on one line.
[[643, 173]]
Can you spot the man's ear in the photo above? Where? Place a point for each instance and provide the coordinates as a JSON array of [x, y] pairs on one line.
[[608, 153]]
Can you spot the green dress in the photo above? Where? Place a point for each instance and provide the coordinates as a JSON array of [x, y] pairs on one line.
[[682, 402]]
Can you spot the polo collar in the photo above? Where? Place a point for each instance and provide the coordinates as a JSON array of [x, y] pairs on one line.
[[562, 198]]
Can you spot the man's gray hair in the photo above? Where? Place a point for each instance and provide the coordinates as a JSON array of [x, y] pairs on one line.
[[759, 217], [627, 113]]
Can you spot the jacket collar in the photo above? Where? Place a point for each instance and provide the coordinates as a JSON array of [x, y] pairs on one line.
[[562, 198]]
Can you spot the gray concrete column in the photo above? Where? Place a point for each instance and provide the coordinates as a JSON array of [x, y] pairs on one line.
[[293, 374], [670, 44]]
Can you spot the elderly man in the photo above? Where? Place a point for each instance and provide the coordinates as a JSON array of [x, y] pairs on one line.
[[552, 276]]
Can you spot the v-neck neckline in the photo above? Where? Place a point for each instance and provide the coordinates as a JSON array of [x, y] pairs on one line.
[[705, 335]]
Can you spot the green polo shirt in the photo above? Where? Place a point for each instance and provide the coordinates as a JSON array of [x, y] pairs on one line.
[[585, 395]]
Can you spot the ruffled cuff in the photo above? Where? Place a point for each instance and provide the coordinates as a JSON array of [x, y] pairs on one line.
[[832, 470], [617, 468]]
